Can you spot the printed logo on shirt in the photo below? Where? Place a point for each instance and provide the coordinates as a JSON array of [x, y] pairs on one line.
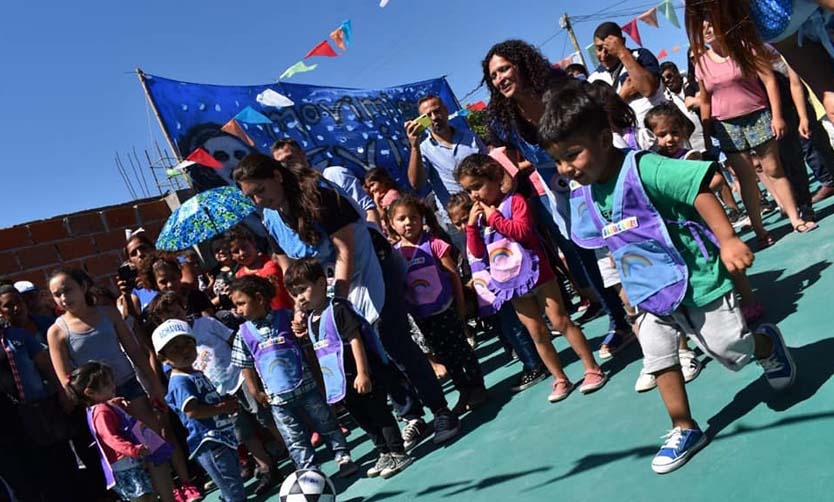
[[619, 227], [272, 341], [321, 344]]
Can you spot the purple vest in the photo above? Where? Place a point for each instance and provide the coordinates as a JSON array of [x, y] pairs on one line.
[[653, 272], [327, 342], [137, 433], [278, 358], [514, 270], [429, 288]]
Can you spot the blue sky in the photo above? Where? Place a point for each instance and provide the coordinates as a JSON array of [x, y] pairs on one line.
[[71, 99]]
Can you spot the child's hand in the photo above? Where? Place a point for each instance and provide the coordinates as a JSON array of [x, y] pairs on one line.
[[362, 383], [476, 212], [144, 451], [804, 129], [779, 127], [735, 255], [488, 211], [118, 401], [299, 324]]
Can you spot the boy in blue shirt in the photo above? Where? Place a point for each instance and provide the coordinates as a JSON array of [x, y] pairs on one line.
[[674, 249], [206, 415]]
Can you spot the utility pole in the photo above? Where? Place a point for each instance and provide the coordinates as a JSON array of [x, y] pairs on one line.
[[564, 22]]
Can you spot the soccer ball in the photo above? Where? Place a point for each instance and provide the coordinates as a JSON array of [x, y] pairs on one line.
[[307, 485]]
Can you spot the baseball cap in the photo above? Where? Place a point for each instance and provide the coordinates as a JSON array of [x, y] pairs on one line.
[[169, 330], [24, 287]]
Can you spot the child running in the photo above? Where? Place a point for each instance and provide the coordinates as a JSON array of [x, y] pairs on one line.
[[275, 372], [676, 274], [204, 413], [354, 364], [125, 444], [500, 228], [434, 295]]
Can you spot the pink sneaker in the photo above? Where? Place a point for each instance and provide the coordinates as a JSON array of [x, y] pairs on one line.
[[315, 440], [190, 493], [178, 495], [594, 380], [561, 389], [345, 431]]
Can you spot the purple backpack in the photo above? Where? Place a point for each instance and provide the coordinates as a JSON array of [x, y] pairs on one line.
[[514, 270], [653, 272], [429, 288]]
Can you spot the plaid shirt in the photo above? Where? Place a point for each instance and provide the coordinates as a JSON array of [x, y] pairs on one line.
[[242, 358]]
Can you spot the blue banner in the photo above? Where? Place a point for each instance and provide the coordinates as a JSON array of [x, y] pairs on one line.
[[356, 128]]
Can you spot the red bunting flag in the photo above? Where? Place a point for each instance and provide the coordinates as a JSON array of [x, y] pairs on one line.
[[322, 49], [662, 54], [649, 17], [477, 106], [338, 37], [202, 157], [631, 30]]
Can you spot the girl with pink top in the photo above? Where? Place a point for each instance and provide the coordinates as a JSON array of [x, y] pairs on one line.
[[735, 109]]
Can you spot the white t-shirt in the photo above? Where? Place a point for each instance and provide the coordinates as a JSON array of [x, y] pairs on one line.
[[214, 355]]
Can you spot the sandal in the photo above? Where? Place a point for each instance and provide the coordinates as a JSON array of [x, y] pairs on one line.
[[764, 241], [594, 380], [805, 227]]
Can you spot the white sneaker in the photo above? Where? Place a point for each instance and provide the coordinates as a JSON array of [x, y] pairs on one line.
[[690, 365], [645, 382]]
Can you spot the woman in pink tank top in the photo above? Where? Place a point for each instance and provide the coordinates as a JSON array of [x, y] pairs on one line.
[[734, 108]]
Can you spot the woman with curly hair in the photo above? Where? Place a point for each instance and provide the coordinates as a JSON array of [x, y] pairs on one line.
[[799, 29], [517, 75], [310, 218]]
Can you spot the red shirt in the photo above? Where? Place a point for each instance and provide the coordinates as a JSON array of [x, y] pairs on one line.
[[272, 272], [521, 229], [107, 424]]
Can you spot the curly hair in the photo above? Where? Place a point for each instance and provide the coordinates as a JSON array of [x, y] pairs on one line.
[[412, 202], [733, 28], [301, 191], [251, 286], [479, 165], [460, 201], [538, 75], [148, 271]]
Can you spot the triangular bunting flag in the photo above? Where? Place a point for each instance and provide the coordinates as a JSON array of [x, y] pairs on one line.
[[667, 9], [299, 67], [338, 37], [631, 30], [322, 49], [477, 106], [676, 48], [662, 54], [649, 17], [591, 51], [463, 112], [251, 116], [564, 63], [183, 165], [272, 98], [347, 31], [202, 157], [383, 3], [234, 128]]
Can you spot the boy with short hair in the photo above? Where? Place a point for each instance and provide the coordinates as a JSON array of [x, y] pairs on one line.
[[204, 413], [353, 362], [674, 248]]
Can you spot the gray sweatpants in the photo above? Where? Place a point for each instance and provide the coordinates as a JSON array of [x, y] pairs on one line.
[[718, 329]]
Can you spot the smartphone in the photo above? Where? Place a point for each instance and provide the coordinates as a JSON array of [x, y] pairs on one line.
[[423, 120], [126, 273]]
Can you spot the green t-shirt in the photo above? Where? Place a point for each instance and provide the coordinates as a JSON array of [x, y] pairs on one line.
[[672, 186]]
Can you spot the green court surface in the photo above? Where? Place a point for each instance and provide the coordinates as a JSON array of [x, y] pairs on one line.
[[765, 445]]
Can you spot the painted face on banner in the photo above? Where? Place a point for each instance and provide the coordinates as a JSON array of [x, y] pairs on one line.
[[227, 150]]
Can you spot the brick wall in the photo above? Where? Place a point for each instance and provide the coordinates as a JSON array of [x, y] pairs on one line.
[[92, 240]]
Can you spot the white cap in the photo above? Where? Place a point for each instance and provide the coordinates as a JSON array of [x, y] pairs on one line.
[[24, 287], [169, 330]]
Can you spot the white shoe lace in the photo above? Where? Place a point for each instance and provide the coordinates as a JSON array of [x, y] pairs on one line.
[[412, 430], [772, 363], [673, 438]]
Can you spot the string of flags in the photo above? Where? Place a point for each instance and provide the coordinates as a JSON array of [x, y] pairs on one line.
[[341, 36]]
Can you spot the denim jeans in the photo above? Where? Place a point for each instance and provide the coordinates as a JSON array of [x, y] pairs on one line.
[[518, 337], [221, 464], [818, 154], [289, 419]]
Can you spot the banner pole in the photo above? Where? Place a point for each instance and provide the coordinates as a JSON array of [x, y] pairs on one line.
[[141, 75]]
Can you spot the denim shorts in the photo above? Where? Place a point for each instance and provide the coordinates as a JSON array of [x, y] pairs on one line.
[[130, 390], [132, 482], [744, 133]]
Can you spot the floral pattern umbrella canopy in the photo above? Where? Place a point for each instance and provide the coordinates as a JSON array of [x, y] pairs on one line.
[[204, 216]]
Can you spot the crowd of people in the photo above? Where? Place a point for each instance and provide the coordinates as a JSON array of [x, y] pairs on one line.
[[594, 193]]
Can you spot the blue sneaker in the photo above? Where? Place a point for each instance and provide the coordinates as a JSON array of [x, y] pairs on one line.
[[779, 368], [680, 445]]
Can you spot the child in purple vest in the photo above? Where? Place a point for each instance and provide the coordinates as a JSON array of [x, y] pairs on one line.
[[354, 364], [434, 296], [674, 249], [275, 373]]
